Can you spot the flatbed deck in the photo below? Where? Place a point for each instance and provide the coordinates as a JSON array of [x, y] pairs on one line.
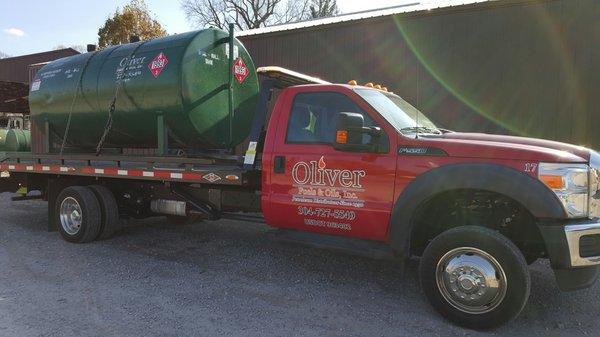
[[227, 171]]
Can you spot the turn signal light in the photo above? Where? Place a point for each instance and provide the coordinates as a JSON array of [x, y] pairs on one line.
[[552, 181], [341, 136]]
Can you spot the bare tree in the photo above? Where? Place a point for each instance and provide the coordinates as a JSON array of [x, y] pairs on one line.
[[323, 8], [245, 14], [3, 55]]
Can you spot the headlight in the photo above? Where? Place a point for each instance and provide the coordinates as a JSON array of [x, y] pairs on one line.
[[594, 207], [570, 182]]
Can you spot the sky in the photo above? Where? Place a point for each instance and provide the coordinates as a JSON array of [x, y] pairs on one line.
[[31, 26]]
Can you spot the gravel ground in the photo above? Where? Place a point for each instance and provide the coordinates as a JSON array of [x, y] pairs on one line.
[[230, 278]]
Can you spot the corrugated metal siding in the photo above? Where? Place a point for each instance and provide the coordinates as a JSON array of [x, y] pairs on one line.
[[13, 97], [519, 67]]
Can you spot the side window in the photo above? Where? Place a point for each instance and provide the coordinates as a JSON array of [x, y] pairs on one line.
[[313, 117]]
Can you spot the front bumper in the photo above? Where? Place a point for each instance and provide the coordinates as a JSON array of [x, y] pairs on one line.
[[583, 239], [574, 252]]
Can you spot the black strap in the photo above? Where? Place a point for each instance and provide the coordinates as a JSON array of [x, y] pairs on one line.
[[77, 89], [112, 106]]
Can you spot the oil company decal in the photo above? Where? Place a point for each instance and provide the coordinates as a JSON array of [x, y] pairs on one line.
[[240, 71], [157, 65], [318, 184], [130, 67]]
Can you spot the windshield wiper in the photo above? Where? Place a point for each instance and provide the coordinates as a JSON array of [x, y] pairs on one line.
[[419, 129]]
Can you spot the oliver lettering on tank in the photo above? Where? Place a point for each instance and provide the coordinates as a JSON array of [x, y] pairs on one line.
[[317, 184], [130, 67]]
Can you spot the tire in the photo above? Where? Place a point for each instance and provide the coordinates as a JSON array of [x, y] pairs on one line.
[[530, 259], [109, 211], [77, 214], [454, 265], [183, 220]]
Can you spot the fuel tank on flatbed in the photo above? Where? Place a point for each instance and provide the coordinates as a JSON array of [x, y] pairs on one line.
[[182, 77]]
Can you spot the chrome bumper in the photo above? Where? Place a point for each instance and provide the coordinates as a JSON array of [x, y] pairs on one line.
[[573, 234]]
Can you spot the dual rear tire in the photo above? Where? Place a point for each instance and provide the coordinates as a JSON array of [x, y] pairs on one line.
[[86, 213]]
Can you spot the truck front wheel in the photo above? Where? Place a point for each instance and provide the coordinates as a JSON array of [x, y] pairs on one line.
[[475, 277], [78, 214]]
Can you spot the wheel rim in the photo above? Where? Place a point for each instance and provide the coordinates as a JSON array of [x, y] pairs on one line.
[[71, 216], [471, 280]]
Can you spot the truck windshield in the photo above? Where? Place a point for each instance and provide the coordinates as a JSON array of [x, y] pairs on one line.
[[398, 112]]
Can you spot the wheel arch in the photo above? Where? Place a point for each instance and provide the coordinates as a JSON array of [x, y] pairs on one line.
[[532, 194]]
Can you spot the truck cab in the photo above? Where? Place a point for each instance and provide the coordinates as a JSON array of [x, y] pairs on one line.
[[361, 162]]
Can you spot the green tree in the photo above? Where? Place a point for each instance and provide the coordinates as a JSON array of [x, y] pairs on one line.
[[323, 8], [134, 19]]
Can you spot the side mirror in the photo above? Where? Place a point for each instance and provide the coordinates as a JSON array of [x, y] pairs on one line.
[[350, 130]]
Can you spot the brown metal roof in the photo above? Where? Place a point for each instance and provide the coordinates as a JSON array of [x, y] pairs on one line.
[[15, 69], [13, 97], [416, 6], [523, 67]]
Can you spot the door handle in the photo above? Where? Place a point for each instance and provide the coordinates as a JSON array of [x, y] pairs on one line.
[[279, 164]]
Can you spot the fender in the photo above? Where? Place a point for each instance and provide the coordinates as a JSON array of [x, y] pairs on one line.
[[539, 200]]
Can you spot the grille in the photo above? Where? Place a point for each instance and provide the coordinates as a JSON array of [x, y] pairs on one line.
[[589, 245]]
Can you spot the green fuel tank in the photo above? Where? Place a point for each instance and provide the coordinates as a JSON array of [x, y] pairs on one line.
[[17, 140], [184, 77], [3, 133]]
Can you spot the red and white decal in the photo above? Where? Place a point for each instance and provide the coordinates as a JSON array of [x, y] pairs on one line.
[[113, 172], [157, 65], [240, 71]]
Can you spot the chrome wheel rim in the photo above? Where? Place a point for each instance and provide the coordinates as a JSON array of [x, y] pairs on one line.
[[471, 280], [71, 216]]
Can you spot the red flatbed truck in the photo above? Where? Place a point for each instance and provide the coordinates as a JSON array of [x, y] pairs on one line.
[[354, 161]]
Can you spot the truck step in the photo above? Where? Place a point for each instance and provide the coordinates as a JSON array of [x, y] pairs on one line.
[[357, 247]]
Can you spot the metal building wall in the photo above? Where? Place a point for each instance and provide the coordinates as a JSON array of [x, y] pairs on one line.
[[15, 69], [523, 67]]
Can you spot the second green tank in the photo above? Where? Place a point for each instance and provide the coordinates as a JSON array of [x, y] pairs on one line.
[[17, 140]]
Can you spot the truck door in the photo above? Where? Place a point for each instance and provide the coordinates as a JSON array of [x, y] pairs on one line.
[[312, 186]]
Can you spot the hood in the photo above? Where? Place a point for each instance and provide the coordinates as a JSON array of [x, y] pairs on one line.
[[510, 147]]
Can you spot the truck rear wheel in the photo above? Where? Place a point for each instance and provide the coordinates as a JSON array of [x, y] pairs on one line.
[[475, 277], [109, 211], [78, 215]]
